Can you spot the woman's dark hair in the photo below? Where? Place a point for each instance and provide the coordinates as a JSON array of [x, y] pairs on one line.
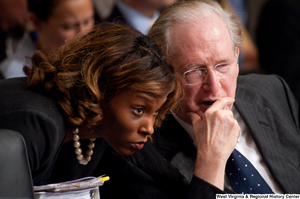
[[88, 71]]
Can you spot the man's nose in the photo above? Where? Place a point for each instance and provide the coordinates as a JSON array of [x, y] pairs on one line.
[[211, 82]]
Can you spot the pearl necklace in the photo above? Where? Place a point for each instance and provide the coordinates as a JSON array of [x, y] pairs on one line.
[[84, 160]]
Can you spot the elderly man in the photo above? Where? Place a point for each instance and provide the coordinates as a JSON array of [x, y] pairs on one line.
[[194, 152]]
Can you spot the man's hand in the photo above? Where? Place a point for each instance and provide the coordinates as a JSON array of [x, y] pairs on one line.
[[216, 135]]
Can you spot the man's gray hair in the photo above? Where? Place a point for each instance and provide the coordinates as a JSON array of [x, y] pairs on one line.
[[188, 11]]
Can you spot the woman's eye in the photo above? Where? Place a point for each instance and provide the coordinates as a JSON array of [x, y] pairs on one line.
[[156, 113], [87, 22], [69, 26], [138, 110]]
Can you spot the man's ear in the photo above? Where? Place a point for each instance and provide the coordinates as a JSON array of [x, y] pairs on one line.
[[237, 52], [35, 22]]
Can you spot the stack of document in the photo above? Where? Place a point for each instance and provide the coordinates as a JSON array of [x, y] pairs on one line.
[[83, 188]]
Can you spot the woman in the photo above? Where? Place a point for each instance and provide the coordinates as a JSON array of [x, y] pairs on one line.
[[54, 22], [111, 84]]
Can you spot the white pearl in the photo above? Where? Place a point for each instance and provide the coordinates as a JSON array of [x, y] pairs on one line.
[[88, 158], [76, 137], [76, 131], [79, 157], [76, 144], [83, 162], [78, 151], [89, 152], [91, 145]]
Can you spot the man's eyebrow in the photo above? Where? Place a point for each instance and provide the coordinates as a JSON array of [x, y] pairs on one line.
[[192, 65], [224, 60], [202, 64]]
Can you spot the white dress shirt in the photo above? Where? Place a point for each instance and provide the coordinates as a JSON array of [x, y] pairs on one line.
[[136, 19], [13, 65]]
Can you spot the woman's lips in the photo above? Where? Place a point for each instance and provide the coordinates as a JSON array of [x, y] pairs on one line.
[[138, 145]]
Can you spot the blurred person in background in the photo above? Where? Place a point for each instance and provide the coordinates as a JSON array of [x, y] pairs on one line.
[[248, 58], [139, 14], [13, 17], [103, 8], [53, 22], [13, 14]]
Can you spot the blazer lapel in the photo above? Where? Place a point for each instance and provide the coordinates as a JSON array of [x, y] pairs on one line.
[[172, 138], [176, 146], [261, 125], [174, 143]]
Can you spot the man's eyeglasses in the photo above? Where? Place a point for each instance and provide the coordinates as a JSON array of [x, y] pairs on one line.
[[197, 74]]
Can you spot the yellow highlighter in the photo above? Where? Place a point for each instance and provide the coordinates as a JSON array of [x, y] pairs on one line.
[[103, 179]]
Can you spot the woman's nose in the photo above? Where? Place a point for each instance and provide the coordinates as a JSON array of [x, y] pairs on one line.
[[147, 127]]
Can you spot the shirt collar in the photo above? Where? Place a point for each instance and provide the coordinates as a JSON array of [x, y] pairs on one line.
[[136, 19], [187, 127], [237, 116]]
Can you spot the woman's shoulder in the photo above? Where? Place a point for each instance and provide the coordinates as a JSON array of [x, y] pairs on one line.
[[16, 96]]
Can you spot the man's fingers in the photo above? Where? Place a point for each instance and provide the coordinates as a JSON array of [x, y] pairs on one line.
[[194, 117], [224, 103]]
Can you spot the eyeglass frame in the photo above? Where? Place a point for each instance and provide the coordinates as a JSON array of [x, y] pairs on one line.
[[203, 69]]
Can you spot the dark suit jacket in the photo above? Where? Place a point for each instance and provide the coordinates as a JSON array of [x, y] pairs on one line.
[[116, 17], [269, 111]]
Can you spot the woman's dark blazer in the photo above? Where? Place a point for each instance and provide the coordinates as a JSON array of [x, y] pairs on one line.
[[43, 127]]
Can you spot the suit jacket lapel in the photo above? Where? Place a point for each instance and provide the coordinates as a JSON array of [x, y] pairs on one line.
[[179, 149], [174, 143], [177, 138], [261, 125]]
